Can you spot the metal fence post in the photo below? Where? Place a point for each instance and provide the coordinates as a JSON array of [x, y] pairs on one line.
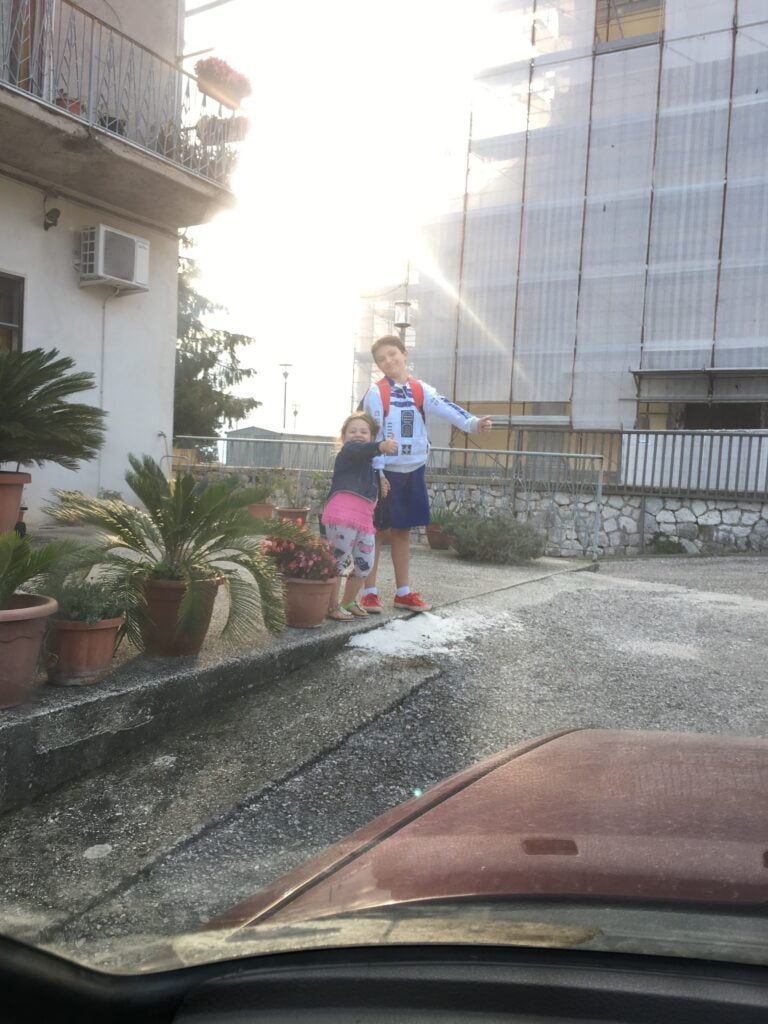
[[598, 511]]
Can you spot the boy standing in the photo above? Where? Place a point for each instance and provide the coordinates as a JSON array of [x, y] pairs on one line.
[[399, 405]]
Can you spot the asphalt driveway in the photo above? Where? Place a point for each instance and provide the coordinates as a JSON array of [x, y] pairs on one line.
[[176, 832]]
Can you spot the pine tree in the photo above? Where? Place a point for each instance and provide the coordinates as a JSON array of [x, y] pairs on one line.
[[207, 366]]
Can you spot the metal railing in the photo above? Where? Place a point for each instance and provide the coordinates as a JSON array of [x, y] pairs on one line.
[[56, 53], [728, 463], [670, 462], [559, 492], [317, 456]]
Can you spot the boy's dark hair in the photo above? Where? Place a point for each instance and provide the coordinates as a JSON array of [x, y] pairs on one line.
[[385, 340]]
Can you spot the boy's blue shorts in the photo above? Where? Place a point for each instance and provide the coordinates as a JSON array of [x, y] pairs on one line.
[[407, 504]]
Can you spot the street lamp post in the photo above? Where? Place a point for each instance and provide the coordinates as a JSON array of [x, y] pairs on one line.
[[285, 367], [402, 317], [295, 414]]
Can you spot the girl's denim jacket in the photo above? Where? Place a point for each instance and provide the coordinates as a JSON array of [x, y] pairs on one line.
[[353, 472]]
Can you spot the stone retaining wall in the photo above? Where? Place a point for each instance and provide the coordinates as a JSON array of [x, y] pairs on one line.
[[691, 525], [629, 524]]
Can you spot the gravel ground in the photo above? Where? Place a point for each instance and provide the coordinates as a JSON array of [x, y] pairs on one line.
[[649, 644]]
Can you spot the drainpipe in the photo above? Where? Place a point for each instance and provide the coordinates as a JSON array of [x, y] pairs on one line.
[[102, 354]]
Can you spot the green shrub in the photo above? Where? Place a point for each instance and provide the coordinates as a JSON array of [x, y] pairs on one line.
[[442, 517], [501, 539], [90, 601]]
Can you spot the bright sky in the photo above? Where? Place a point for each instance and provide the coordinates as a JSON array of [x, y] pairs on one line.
[[358, 117]]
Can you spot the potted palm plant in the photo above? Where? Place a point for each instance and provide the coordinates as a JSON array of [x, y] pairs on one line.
[[23, 615], [438, 528], [83, 633], [39, 424], [189, 539], [260, 507], [290, 507], [308, 569]]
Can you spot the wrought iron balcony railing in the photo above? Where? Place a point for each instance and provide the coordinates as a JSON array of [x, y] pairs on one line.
[[61, 56]]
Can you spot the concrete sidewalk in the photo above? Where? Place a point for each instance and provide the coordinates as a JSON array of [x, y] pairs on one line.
[[61, 734]]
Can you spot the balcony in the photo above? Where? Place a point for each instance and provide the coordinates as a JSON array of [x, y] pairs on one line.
[[88, 112]]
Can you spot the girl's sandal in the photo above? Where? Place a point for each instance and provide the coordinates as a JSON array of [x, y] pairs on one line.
[[339, 614], [355, 609]]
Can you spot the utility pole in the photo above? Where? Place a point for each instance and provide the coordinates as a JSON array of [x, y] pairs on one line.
[[285, 367]]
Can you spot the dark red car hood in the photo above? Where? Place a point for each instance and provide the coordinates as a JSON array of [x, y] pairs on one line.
[[633, 816]]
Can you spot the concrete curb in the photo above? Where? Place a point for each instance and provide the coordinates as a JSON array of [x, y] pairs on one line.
[[64, 733]]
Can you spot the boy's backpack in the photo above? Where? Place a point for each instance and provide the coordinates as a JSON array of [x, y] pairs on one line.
[[416, 390]]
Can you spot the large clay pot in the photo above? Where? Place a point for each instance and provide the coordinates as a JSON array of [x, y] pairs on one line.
[[262, 510], [79, 653], [164, 599], [22, 627], [437, 538], [306, 602], [295, 515], [11, 486]]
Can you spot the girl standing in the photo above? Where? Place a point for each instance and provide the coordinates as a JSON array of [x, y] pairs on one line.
[[348, 515]]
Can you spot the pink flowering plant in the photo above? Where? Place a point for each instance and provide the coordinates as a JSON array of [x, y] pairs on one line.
[[300, 554], [219, 72]]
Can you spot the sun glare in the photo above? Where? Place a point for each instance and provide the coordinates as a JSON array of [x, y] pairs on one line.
[[358, 133]]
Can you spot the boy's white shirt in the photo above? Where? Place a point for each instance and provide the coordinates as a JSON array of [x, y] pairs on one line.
[[413, 448]]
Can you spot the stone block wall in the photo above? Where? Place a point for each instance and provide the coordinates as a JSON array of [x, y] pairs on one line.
[[703, 525], [629, 524]]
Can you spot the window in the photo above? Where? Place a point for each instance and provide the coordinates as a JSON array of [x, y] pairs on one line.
[[723, 416], [11, 307], [623, 19]]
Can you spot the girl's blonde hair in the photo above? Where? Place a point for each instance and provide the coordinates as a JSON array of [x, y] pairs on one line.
[[372, 424]]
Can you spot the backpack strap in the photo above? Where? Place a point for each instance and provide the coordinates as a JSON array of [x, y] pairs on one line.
[[417, 391]]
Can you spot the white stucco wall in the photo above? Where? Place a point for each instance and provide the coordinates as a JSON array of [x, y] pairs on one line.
[[136, 360], [155, 24]]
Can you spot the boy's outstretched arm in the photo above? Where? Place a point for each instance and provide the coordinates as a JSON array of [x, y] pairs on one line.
[[438, 405]]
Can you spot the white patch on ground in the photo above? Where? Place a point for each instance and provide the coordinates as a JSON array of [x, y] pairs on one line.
[[661, 649], [166, 761], [98, 851], [428, 634]]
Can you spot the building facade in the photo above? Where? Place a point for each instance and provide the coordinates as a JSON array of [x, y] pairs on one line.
[[607, 264], [100, 128]]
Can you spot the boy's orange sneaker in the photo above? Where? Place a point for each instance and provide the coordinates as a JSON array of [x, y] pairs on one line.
[[371, 603], [412, 602]]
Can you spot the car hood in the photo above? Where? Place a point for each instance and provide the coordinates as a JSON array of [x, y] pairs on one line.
[[596, 814]]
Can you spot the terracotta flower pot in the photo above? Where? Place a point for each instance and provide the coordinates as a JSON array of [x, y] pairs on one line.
[[22, 627], [262, 510], [296, 515], [306, 602], [164, 599], [11, 486], [437, 538], [79, 653], [72, 106]]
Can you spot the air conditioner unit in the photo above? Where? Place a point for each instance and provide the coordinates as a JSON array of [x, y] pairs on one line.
[[112, 257]]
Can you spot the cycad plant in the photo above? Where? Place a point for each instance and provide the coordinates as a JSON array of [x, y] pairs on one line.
[[23, 567], [189, 531], [38, 423]]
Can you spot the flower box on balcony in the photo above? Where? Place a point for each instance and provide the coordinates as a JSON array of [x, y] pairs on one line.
[[218, 131], [218, 80]]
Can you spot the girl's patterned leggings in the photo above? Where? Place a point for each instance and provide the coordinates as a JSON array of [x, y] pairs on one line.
[[348, 541]]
